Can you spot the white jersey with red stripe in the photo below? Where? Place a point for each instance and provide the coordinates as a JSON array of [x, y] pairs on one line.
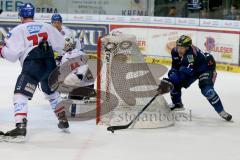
[[66, 31], [81, 69], [25, 37]]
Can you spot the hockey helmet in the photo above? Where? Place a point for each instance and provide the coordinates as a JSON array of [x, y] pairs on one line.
[[26, 10], [184, 41], [70, 43], [56, 17]]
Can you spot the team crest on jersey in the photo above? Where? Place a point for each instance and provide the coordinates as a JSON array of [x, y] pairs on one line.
[[34, 28], [190, 58]]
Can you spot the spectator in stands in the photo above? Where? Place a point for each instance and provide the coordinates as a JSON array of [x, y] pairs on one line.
[[233, 14], [172, 12], [204, 14]]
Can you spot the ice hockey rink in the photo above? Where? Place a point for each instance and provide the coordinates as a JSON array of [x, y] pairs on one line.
[[205, 137]]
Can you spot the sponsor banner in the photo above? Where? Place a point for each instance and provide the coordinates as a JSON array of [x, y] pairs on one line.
[[230, 24], [103, 7], [109, 7], [82, 17], [111, 18], [163, 20], [187, 21], [9, 15], [158, 41], [76, 18], [154, 41], [90, 33], [42, 6], [220, 45], [168, 61], [210, 23]]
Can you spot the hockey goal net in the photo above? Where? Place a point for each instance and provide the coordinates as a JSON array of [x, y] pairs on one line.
[[125, 85]]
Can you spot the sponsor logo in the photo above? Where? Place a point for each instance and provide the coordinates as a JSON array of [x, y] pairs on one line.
[[19, 107], [225, 50], [30, 88], [34, 28], [141, 45], [90, 33], [209, 43]]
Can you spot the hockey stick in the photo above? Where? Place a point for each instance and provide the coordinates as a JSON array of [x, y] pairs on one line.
[[113, 128], [164, 87]]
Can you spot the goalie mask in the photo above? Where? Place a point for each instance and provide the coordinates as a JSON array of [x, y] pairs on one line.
[[70, 43]]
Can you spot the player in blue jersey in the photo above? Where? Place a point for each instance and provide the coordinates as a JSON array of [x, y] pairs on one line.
[[189, 64]]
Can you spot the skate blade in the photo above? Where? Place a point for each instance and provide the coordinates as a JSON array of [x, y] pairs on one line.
[[18, 139], [178, 109], [65, 130]]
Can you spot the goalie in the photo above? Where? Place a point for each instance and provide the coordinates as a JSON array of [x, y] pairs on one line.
[[189, 63], [81, 75]]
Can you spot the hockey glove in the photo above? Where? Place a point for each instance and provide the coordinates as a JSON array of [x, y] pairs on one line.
[[58, 60], [174, 76], [165, 86], [186, 70]]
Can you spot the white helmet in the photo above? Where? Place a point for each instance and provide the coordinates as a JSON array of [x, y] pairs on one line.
[[70, 43]]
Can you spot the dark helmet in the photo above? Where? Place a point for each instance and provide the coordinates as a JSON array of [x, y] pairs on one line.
[[184, 41], [26, 10], [56, 17]]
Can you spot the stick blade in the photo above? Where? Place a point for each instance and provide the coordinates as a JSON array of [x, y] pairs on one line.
[[113, 128]]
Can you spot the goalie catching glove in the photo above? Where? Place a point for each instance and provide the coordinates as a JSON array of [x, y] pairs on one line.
[[165, 86]]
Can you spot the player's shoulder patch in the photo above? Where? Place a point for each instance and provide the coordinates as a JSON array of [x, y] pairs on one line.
[[9, 35], [34, 28]]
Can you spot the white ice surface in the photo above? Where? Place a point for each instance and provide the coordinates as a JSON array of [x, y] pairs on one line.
[[206, 137]]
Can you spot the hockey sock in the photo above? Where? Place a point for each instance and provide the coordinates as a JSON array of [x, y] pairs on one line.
[[213, 99], [20, 107]]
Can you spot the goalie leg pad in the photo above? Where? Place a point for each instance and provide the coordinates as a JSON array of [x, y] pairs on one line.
[[72, 80]]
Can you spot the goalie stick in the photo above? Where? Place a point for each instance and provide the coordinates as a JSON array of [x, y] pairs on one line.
[[164, 87]]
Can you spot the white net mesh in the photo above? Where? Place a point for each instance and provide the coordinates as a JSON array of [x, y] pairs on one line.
[[127, 85]]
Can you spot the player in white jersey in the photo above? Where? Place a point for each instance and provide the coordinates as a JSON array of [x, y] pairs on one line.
[[57, 21], [81, 76], [33, 44]]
